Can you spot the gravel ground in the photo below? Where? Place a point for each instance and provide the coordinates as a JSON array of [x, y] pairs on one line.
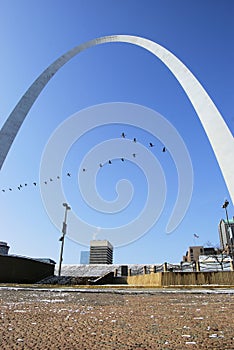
[[32, 319]]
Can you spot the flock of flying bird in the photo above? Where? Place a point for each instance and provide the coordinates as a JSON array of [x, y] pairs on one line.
[[69, 174]]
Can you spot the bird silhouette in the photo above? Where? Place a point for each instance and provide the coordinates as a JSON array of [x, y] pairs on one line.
[[123, 135], [110, 162], [134, 140], [34, 183], [18, 187], [164, 149], [68, 174], [10, 189], [122, 159], [51, 179], [151, 145], [45, 182], [100, 165], [134, 155], [84, 169], [3, 191], [58, 177], [25, 184]]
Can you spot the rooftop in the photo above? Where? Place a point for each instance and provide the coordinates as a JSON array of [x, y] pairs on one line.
[[230, 221]]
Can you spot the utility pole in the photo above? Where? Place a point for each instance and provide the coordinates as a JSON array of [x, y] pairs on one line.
[[62, 238]]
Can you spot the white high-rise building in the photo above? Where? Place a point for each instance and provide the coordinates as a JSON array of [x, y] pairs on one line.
[[101, 252]]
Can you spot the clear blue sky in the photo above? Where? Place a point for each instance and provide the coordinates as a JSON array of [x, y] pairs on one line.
[[34, 34]]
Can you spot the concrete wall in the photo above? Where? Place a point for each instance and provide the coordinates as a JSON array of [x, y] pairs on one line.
[[163, 279], [15, 269]]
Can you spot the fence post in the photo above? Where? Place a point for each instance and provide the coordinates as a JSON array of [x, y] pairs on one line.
[[165, 267], [197, 266]]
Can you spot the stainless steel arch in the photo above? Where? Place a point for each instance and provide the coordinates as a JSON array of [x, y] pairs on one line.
[[218, 133]]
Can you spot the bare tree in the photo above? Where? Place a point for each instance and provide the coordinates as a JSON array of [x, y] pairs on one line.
[[219, 255]]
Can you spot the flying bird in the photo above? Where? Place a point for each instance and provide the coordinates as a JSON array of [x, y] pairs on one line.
[[51, 179], [134, 140], [58, 177], [110, 162], [134, 155], [25, 184], [68, 174], [122, 159], [10, 189], [45, 182], [18, 187], [100, 165], [84, 169], [34, 183], [151, 145], [164, 149], [3, 191], [123, 134]]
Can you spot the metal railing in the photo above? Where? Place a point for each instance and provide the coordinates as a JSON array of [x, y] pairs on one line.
[[182, 267]]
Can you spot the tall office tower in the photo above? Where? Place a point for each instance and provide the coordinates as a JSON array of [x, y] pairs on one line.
[[4, 248], [226, 234], [84, 257], [101, 252]]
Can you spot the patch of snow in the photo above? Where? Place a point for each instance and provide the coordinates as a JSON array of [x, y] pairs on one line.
[[20, 311], [52, 300]]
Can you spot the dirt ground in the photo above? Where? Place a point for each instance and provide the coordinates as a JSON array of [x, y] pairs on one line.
[[32, 319]]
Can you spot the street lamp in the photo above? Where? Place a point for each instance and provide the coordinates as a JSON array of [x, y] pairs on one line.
[[225, 205], [62, 238], [230, 238]]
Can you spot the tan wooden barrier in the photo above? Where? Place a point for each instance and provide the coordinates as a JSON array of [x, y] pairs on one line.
[[163, 279]]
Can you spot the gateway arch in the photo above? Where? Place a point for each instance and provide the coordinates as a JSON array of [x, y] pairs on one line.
[[217, 131]]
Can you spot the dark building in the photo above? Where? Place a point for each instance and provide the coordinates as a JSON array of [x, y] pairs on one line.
[[18, 269], [210, 251], [21, 269], [101, 252], [4, 248]]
